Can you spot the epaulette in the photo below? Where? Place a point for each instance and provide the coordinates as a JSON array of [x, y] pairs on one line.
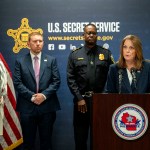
[[112, 58], [147, 60], [104, 48], [76, 49]]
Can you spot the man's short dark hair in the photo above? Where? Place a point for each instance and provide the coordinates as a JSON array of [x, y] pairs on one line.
[[90, 24]]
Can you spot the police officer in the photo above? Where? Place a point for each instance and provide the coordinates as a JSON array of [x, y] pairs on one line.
[[86, 74]]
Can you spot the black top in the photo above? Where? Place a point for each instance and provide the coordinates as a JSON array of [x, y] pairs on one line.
[[80, 77]]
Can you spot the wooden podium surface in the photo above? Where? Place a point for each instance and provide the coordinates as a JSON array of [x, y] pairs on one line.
[[103, 135]]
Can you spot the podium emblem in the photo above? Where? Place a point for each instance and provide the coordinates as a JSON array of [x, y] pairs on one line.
[[129, 121]]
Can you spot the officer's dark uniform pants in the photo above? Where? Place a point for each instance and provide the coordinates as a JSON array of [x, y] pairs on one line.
[[82, 125]]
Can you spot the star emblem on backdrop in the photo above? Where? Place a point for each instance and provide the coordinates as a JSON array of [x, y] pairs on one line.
[[20, 35]]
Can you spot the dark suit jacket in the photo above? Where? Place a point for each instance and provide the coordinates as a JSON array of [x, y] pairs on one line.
[[25, 84], [142, 76]]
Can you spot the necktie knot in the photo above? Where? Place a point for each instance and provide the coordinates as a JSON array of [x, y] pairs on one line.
[[35, 58]]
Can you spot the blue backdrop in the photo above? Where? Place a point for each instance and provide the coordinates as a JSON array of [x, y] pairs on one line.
[[61, 22]]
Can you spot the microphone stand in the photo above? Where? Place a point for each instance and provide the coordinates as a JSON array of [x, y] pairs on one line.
[[120, 79], [133, 73]]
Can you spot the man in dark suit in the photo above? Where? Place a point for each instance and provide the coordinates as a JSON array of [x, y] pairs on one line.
[[37, 79]]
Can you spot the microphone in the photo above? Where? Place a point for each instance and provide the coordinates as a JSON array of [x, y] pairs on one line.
[[120, 71], [133, 73]]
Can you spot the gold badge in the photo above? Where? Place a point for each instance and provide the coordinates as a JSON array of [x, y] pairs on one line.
[[101, 57], [20, 35]]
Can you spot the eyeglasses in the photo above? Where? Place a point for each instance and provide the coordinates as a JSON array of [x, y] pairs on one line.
[[89, 33]]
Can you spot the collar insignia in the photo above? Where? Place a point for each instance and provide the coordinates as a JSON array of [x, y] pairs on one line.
[[80, 58]]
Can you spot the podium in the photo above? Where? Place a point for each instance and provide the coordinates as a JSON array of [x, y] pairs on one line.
[[103, 135]]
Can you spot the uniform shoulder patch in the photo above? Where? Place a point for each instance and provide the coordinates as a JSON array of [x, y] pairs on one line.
[[112, 58]]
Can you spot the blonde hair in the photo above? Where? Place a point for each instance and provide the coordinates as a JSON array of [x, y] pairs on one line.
[[34, 33]]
